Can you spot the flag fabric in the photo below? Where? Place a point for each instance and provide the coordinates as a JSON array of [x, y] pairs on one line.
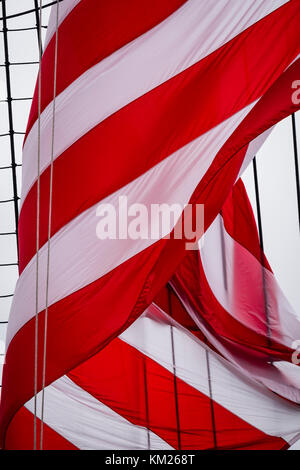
[[231, 294], [123, 398], [158, 102]]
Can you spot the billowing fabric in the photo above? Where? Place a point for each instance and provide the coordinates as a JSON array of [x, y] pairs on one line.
[[231, 294], [123, 398], [156, 101]]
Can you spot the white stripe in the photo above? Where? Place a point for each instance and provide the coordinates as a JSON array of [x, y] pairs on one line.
[[191, 33], [89, 424], [151, 335], [65, 7], [78, 257]]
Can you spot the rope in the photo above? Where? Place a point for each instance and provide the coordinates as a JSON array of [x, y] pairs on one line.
[[174, 368], [37, 241], [212, 409], [49, 227], [296, 162], [261, 242]]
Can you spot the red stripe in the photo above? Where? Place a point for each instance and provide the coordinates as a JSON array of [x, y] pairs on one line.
[[92, 31], [161, 122], [20, 434], [117, 378]]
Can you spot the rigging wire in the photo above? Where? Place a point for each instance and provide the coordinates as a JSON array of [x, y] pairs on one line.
[[207, 356], [37, 244], [49, 228], [262, 251], [296, 163], [31, 62], [174, 369]]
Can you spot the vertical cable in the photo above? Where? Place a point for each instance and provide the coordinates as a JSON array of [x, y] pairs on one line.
[[223, 252], [10, 122], [296, 164], [37, 241], [146, 402], [260, 231], [212, 411], [174, 369], [38, 25], [209, 377], [261, 241], [49, 227]]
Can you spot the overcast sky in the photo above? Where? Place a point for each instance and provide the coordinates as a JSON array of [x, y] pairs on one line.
[[275, 169]]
